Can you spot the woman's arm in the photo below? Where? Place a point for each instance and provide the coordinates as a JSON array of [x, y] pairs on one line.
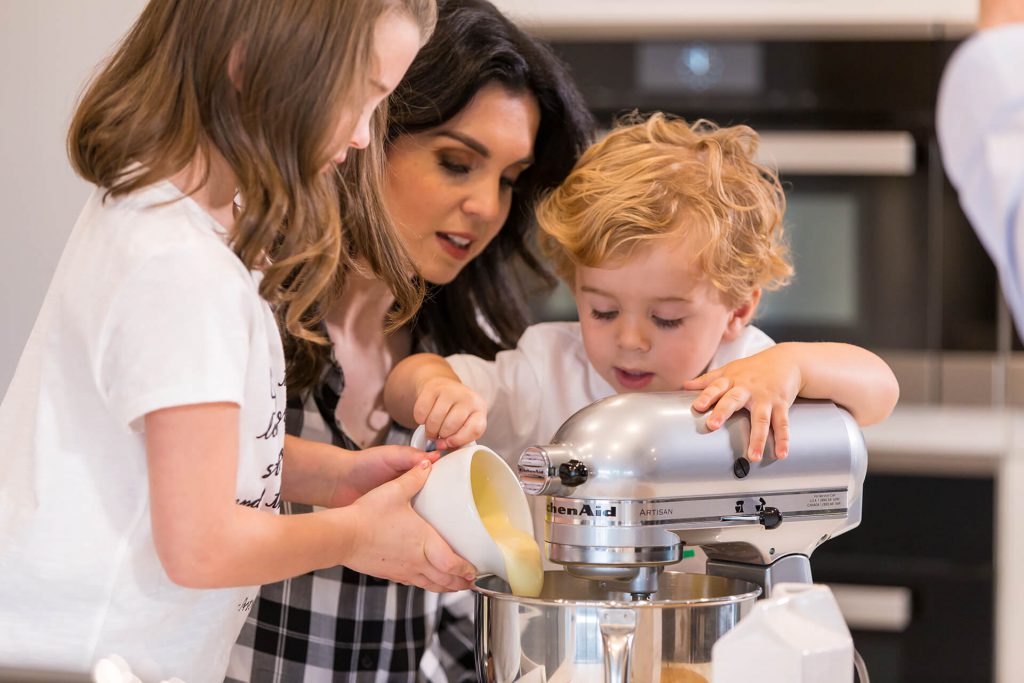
[[312, 471], [992, 13], [980, 126], [321, 474], [205, 540]]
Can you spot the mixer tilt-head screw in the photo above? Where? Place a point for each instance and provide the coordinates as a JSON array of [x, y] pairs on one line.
[[741, 467]]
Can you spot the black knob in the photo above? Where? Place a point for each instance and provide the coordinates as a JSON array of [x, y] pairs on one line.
[[741, 467], [573, 473], [769, 517]]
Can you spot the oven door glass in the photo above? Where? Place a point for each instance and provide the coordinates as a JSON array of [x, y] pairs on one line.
[[860, 251], [857, 225], [823, 230]]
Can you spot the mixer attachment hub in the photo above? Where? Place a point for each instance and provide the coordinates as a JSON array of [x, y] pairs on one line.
[[638, 583], [572, 473]]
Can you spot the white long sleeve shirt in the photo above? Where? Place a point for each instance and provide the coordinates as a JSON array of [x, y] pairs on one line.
[[980, 122]]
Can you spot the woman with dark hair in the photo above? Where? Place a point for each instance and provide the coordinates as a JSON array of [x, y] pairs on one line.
[[485, 122]]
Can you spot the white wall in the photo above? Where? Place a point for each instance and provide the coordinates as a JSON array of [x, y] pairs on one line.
[[48, 49]]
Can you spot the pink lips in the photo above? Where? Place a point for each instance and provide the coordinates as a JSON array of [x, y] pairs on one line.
[[451, 248], [634, 381]]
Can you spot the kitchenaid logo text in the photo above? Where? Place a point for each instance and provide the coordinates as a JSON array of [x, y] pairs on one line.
[[584, 511]]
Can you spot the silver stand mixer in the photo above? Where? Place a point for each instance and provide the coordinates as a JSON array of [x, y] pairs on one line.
[[630, 481], [633, 478]]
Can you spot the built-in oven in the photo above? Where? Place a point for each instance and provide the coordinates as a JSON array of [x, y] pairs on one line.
[[884, 257]]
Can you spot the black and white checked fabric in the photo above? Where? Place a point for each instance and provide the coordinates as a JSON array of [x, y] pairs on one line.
[[337, 625]]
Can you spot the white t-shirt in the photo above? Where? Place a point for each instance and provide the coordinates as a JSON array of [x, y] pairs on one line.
[[149, 309], [532, 389]]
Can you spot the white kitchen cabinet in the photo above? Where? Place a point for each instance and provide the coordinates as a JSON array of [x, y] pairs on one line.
[[848, 19]]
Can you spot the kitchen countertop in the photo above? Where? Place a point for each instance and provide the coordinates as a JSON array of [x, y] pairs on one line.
[[933, 439]]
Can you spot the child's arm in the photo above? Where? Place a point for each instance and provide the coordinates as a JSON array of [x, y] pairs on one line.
[[423, 389], [205, 540], [768, 382]]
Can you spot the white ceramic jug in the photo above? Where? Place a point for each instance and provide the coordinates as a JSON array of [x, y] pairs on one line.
[[446, 501]]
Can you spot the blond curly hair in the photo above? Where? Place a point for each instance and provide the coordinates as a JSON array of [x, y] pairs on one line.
[[658, 177]]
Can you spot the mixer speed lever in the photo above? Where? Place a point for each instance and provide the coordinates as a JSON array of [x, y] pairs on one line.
[[767, 517]]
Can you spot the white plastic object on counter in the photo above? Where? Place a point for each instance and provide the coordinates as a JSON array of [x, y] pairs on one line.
[[114, 669], [796, 636]]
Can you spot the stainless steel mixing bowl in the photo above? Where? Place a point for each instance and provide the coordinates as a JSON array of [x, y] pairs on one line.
[[579, 631]]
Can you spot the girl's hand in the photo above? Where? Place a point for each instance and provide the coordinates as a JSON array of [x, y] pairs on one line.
[[766, 384], [367, 469], [452, 413], [393, 542]]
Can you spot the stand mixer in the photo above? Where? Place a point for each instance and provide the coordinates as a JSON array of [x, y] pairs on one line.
[[633, 478], [630, 481]]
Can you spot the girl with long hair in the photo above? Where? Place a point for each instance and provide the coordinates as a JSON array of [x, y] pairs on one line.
[[145, 454]]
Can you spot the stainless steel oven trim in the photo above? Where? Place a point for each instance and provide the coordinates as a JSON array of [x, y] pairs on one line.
[[852, 152], [875, 608], [828, 152]]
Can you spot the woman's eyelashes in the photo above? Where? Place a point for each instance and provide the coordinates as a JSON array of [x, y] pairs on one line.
[[453, 167], [459, 169]]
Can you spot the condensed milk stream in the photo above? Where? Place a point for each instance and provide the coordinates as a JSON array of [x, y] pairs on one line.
[[520, 549]]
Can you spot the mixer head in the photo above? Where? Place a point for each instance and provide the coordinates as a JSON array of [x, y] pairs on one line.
[[633, 478]]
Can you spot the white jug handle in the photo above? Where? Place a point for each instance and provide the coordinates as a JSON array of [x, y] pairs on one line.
[[419, 440]]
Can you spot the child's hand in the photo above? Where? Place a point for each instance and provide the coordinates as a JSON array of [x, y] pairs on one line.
[[409, 550], [766, 384], [367, 469], [452, 413]]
